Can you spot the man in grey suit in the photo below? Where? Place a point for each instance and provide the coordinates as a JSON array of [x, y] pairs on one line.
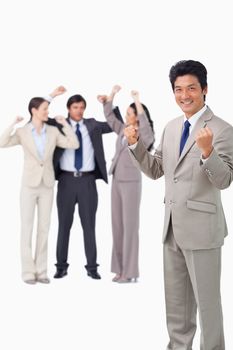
[[196, 157]]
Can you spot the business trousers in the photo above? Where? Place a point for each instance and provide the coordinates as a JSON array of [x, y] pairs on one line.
[[82, 191], [35, 265], [126, 197], [192, 281]]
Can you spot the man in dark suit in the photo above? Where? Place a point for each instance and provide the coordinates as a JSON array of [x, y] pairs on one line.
[[76, 173]]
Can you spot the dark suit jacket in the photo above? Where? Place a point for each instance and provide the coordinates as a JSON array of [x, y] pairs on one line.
[[95, 129]]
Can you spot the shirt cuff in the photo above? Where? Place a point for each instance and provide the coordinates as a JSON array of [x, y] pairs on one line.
[[132, 147], [48, 98], [204, 160]]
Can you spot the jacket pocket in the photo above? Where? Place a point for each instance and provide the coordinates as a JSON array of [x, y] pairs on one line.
[[202, 206]]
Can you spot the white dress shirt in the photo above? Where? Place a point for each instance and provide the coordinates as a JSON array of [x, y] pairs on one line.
[[68, 156], [192, 120], [39, 139]]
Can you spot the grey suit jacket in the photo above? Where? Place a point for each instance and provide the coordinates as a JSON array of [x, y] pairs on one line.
[[192, 198], [123, 167], [35, 169]]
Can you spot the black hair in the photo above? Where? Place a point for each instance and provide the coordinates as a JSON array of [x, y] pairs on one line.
[[75, 99], [147, 113], [189, 67]]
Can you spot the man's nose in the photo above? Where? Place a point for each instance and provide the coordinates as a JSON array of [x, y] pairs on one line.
[[185, 94]]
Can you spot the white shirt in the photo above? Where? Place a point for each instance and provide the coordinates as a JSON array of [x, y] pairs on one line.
[[193, 120], [39, 139], [68, 156]]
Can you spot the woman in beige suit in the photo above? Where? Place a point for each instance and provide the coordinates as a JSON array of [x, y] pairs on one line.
[[38, 141], [126, 187]]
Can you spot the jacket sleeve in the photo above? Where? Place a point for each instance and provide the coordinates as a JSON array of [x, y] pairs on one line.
[[150, 165], [118, 115], [114, 123], [219, 166], [104, 127], [53, 122], [9, 140], [69, 139], [145, 130]]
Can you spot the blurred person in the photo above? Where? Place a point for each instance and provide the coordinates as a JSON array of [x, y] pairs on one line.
[[39, 141], [126, 186]]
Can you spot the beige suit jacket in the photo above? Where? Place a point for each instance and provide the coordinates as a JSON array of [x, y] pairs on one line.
[[193, 196], [35, 169]]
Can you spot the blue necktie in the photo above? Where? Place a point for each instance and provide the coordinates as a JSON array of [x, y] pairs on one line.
[[78, 161], [185, 135]]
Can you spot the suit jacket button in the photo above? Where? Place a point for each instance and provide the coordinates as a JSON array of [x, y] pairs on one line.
[[175, 180]]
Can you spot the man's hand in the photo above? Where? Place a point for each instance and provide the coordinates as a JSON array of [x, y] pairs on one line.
[[58, 91], [131, 133], [102, 98], [61, 120], [204, 140]]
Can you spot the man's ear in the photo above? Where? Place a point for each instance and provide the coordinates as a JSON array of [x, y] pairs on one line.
[[205, 90]]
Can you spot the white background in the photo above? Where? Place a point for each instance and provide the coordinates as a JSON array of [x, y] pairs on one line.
[[88, 46]]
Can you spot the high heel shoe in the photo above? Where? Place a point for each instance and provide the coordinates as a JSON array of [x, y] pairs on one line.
[[116, 278], [127, 280], [31, 281]]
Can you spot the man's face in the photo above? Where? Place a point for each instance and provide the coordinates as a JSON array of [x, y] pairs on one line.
[[76, 110], [189, 94]]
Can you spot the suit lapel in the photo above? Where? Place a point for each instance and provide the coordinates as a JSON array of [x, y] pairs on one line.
[[202, 121], [177, 136], [119, 144], [119, 148], [47, 142], [89, 126], [30, 141]]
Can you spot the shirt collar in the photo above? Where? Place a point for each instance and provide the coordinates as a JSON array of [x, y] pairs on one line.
[[43, 130], [192, 120], [74, 123]]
